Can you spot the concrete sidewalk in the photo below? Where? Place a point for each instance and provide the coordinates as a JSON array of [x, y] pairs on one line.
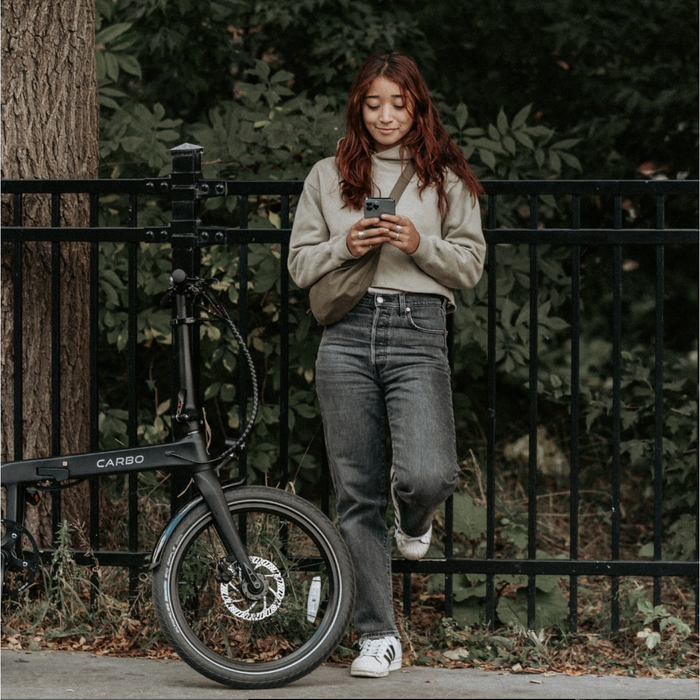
[[53, 675]]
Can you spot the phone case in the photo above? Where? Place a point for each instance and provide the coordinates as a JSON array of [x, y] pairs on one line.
[[376, 206]]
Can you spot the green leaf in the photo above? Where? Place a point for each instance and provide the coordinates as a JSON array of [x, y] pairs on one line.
[[461, 115], [509, 144], [502, 122], [111, 65], [111, 33], [469, 518], [555, 162], [130, 65], [525, 140], [493, 133], [573, 161], [566, 143], [487, 158], [539, 157], [281, 76], [521, 117]]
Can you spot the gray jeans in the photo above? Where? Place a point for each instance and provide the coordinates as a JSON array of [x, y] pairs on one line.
[[386, 359]]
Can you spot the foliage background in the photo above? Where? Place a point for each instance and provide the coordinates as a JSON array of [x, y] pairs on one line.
[[529, 90]]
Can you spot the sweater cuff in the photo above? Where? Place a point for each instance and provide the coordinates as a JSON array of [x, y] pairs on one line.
[[421, 253], [340, 252]]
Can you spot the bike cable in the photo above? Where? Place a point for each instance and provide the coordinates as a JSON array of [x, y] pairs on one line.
[[215, 310]]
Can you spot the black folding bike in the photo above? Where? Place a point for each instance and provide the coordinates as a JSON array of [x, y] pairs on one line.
[[253, 586]]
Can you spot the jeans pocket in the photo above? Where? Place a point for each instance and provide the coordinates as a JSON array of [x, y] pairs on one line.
[[427, 319]]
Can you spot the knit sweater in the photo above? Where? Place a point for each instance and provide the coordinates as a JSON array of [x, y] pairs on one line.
[[451, 251]]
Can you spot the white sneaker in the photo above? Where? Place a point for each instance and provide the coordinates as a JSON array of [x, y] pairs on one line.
[[413, 548], [377, 658]]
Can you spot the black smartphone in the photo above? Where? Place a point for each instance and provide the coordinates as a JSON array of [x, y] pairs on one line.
[[376, 206]]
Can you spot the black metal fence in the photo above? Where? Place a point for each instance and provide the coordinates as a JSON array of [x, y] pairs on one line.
[[186, 190]]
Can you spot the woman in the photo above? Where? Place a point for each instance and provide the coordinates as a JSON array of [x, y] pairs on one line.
[[387, 358]]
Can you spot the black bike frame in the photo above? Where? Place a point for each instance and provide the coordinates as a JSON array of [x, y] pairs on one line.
[[188, 450]]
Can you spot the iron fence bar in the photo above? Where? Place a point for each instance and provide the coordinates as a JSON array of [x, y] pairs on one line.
[[697, 544], [493, 567], [94, 482], [491, 416], [243, 329], [152, 185], [55, 357], [658, 398], [492, 187], [17, 335], [406, 593], [247, 188], [449, 503], [284, 347], [207, 235], [617, 378], [157, 185], [532, 411], [99, 234], [592, 236], [591, 187], [548, 567], [132, 420], [449, 553], [575, 415]]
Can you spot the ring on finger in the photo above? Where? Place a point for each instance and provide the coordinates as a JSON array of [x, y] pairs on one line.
[[398, 235], [398, 228], [360, 234]]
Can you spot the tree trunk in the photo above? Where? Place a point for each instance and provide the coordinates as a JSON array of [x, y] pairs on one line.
[[50, 129]]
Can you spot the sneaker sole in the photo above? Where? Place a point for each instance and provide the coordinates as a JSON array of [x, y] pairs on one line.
[[395, 666]]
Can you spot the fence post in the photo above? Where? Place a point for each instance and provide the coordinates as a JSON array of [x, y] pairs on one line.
[[187, 170]]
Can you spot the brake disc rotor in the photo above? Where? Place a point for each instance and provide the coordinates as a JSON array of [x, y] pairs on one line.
[[248, 607]]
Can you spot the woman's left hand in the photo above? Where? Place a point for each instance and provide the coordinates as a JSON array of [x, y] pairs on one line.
[[402, 234]]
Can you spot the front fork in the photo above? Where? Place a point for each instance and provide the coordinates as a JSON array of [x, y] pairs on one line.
[[209, 486]]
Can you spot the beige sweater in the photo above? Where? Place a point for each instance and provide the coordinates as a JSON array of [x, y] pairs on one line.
[[451, 251]]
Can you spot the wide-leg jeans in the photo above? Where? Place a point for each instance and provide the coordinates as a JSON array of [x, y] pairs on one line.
[[386, 360]]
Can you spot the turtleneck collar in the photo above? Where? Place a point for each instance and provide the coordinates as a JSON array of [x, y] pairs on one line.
[[393, 153]]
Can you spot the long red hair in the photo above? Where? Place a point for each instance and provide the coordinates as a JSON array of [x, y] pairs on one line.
[[431, 148]]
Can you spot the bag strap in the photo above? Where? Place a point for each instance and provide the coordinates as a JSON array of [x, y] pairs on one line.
[[401, 184]]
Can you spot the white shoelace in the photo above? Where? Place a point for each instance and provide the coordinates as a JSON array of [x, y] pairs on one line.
[[374, 647]]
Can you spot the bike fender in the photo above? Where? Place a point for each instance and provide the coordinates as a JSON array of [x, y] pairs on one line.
[[175, 521]]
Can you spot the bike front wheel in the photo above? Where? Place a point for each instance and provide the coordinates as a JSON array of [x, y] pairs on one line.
[[239, 639]]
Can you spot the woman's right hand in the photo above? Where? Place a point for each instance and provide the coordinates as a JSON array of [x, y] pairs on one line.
[[360, 238]]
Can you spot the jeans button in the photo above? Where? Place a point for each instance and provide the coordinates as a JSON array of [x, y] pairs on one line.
[[380, 300]]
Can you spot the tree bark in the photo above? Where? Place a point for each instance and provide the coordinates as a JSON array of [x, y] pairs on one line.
[[49, 130]]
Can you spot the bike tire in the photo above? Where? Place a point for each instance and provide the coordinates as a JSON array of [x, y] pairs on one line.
[[273, 641]]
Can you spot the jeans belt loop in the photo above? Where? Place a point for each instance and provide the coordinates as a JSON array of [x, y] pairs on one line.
[[402, 304]]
